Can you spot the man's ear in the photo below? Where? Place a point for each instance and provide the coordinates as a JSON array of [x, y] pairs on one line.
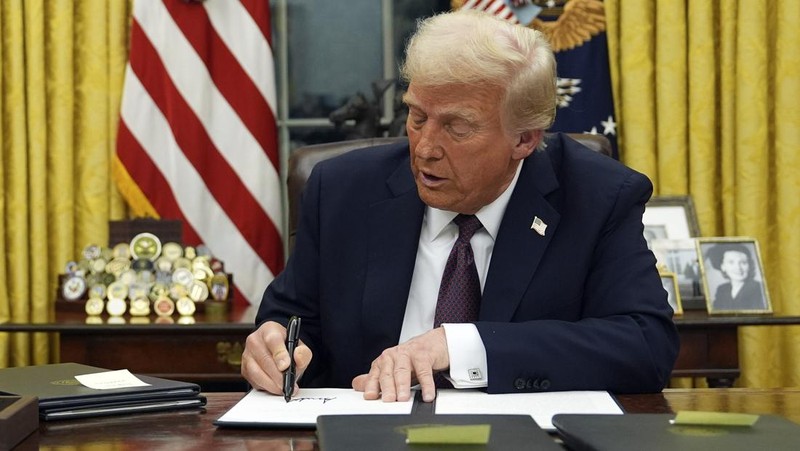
[[527, 143]]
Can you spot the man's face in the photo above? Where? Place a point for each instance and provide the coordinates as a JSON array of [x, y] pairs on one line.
[[735, 264], [462, 156]]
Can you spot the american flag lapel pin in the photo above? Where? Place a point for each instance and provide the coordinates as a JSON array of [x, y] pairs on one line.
[[538, 225]]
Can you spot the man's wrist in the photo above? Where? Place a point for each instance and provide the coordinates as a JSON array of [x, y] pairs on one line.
[[467, 354]]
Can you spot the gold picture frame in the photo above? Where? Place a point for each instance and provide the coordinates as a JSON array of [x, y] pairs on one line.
[[670, 284], [733, 276]]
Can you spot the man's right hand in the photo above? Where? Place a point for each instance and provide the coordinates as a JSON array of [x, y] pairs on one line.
[[265, 358]]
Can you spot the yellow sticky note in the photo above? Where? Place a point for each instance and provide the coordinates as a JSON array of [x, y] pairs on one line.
[[715, 418], [473, 434]]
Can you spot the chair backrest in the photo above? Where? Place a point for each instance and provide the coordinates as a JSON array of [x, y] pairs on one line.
[[303, 160]]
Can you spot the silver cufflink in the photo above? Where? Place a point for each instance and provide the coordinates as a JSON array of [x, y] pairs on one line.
[[475, 374]]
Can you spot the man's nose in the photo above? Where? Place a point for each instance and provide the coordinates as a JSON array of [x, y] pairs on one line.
[[429, 144]]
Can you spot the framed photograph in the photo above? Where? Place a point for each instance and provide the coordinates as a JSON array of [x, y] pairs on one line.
[[670, 284], [670, 217], [679, 257], [733, 277]]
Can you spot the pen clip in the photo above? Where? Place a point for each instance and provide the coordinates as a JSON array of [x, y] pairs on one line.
[[292, 332], [292, 340]]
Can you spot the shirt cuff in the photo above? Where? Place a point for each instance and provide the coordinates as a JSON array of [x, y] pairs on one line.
[[468, 368]]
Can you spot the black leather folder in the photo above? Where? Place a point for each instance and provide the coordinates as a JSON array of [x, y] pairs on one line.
[[61, 396], [653, 432], [388, 432]]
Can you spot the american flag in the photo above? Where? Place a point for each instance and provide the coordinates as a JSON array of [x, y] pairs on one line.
[[197, 137], [496, 7]]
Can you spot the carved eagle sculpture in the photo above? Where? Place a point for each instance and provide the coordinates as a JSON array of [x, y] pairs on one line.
[[578, 22]]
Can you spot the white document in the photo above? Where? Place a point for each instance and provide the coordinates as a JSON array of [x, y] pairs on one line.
[[541, 406], [258, 407], [108, 380]]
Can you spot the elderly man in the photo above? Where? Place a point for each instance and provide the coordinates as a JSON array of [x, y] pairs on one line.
[[480, 251]]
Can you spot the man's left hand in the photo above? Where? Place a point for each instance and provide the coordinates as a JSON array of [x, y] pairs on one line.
[[391, 374]]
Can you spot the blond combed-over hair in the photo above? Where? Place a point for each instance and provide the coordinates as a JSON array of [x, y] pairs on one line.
[[475, 48]]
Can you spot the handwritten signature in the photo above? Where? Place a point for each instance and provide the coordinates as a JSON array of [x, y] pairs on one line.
[[324, 400]]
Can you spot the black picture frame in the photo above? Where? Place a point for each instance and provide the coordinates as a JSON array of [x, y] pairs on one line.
[[733, 276]]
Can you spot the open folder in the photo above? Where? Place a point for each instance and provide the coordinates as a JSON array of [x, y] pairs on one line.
[[61, 396]]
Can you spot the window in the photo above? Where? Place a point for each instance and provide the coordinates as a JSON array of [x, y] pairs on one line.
[[326, 52]]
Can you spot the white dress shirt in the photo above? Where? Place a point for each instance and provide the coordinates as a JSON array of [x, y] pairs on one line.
[[468, 367]]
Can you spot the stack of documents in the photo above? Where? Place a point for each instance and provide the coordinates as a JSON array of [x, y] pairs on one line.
[[72, 390]]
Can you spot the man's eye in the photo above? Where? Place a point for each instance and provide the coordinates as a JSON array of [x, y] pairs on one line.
[[416, 120], [459, 129]]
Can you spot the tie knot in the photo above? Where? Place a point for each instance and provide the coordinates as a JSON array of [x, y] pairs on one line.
[[467, 226]]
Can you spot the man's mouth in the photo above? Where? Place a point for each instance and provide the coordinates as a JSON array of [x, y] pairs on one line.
[[429, 179]]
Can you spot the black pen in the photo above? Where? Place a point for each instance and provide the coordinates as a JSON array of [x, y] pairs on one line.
[[292, 340]]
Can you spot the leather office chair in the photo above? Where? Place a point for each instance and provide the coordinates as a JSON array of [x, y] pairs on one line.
[[303, 160]]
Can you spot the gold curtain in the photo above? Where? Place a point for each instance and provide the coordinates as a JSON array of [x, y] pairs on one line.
[[706, 95], [60, 85]]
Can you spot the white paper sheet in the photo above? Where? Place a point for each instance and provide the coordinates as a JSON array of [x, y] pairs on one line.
[[108, 380], [258, 407], [541, 406]]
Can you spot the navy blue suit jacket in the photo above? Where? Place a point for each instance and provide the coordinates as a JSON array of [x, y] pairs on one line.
[[580, 308]]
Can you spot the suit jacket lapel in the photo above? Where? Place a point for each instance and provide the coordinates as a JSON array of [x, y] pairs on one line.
[[518, 248], [394, 226]]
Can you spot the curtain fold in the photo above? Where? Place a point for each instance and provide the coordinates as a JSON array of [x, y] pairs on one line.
[[707, 93], [15, 156], [31, 187]]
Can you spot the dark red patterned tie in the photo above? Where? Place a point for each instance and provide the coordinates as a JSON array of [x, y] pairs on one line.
[[460, 291]]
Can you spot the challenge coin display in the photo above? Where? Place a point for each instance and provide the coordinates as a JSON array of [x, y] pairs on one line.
[[117, 290], [185, 306], [116, 307], [95, 306], [122, 250], [172, 251], [98, 291], [183, 276], [140, 306], [91, 252], [219, 287], [198, 291], [118, 265], [143, 277], [145, 246], [164, 306], [73, 288]]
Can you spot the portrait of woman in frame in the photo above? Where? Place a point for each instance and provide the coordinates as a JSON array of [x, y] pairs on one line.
[[732, 276]]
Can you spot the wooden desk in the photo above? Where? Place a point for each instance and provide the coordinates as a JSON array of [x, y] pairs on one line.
[[194, 429], [778, 401], [710, 344], [207, 352], [205, 348]]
